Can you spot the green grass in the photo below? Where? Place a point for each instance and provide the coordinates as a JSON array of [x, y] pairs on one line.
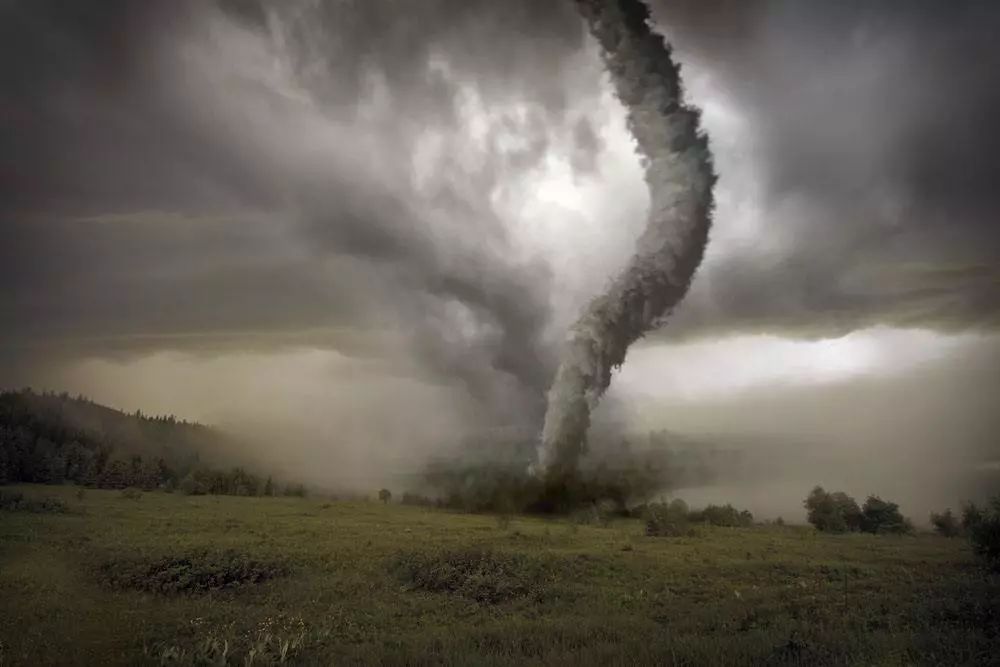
[[214, 580]]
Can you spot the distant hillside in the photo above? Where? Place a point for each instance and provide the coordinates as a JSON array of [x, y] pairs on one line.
[[52, 438]]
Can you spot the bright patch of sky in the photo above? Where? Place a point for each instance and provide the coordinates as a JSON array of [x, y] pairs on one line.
[[730, 365]]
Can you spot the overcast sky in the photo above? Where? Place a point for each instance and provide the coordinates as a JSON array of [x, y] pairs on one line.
[[385, 213]]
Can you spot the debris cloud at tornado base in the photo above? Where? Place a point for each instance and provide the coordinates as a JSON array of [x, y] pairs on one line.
[[680, 178]]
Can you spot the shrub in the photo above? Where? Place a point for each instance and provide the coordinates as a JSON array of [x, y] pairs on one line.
[[584, 516], [971, 515], [484, 576], [882, 516], [832, 512], [410, 498], [984, 532], [946, 524], [385, 495], [196, 572], [606, 511], [600, 513], [668, 520], [722, 515], [191, 486], [295, 490], [16, 502]]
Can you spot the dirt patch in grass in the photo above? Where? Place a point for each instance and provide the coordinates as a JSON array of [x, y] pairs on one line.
[[195, 572], [484, 576]]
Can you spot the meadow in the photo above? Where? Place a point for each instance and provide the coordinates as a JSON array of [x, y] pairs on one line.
[[160, 578]]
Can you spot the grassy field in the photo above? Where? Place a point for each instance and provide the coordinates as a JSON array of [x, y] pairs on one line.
[[167, 578]]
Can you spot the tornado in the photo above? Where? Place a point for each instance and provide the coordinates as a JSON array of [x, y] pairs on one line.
[[679, 174]]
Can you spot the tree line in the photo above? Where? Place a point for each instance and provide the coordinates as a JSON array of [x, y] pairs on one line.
[[48, 438], [838, 512]]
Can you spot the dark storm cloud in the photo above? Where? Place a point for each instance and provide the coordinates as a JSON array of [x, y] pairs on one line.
[[875, 141], [165, 187], [169, 179]]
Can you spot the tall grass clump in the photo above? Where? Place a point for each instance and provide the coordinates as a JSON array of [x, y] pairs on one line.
[[486, 577]]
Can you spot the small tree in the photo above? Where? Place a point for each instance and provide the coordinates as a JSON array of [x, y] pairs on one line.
[[385, 495], [295, 490], [971, 515], [410, 498], [882, 516], [847, 508], [984, 531], [268, 487], [114, 475], [946, 524], [671, 520], [832, 512], [191, 485], [723, 515]]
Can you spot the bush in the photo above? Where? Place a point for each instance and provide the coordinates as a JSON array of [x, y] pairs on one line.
[[983, 527], [971, 515], [946, 524], [606, 511], [668, 520], [295, 491], [486, 577], [838, 513], [410, 498], [832, 512], [722, 515], [196, 572], [882, 516], [385, 495], [16, 502], [191, 486], [600, 513]]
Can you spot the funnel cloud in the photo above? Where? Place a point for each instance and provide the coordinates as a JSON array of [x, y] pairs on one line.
[[679, 175]]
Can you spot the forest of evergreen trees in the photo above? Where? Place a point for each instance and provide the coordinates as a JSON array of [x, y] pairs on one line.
[[48, 438]]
